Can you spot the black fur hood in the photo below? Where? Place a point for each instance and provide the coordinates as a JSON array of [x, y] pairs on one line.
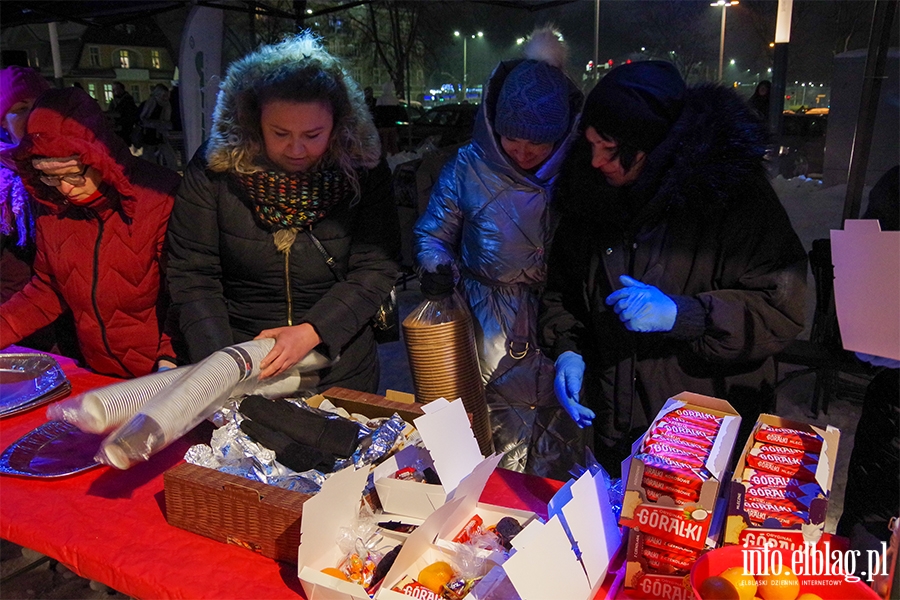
[[714, 146]]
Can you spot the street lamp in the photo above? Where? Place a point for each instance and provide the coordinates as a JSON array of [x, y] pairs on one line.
[[466, 57], [724, 4]]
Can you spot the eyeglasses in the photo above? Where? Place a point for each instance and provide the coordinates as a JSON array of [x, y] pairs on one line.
[[71, 179]]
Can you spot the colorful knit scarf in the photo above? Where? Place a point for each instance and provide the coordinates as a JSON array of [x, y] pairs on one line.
[[283, 201]]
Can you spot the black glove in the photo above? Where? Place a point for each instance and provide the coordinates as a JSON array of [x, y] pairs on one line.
[[288, 452], [332, 435], [437, 285]]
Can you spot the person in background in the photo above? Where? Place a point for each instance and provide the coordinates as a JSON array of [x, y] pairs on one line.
[[123, 112], [156, 122], [674, 267], [759, 101], [488, 225], [388, 113], [869, 508], [293, 163], [100, 229], [19, 88]]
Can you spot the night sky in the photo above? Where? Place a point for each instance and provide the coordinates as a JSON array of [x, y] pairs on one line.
[[627, 25]]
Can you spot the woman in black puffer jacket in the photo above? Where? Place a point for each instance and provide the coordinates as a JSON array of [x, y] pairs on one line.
[[293, 159]]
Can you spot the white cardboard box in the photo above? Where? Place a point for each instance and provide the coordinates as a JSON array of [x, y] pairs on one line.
[[452, 451], [544, 564], [581, 518], [335, 506]]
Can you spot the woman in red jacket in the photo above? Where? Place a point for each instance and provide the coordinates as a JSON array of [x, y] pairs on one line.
[[100, 230]]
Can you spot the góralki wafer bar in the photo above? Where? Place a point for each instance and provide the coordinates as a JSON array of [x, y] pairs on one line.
[[697, 417], [797, 467], [793, 496], [668, 547], [758, 478], [785, 436]]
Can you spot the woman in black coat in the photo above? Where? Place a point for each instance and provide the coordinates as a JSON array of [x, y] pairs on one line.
[[293, 160]]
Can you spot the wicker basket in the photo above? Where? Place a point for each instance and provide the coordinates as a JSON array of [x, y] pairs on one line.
[[234, 510], [260, 517]]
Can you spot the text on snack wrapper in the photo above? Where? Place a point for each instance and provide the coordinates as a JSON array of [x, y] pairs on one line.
[[671, 524]]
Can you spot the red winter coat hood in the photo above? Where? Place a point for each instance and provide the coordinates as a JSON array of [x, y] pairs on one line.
[[69, 122]]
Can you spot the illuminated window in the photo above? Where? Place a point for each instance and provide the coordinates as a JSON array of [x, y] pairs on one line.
[[92, 91], [107, 92], [124, 60], [136, 92], [154, 59], [95, 56]]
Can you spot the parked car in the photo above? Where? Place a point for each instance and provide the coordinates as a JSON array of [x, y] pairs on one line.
[[446, 124], [801, 149]]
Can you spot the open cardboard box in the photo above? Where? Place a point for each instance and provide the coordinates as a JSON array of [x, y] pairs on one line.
[[452, 451], [738, 529], [337, 506], [544, 564], [686, 524]]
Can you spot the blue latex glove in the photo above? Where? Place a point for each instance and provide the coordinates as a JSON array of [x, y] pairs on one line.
[[878, 361], [642, 307], [567, 385]]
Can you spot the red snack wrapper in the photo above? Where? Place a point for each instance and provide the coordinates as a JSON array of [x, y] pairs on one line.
[[674, 471], [406, 474], [682, 431], [684, 457], [666, 562], [686, 481], [765, 479], [695, 448], [666, 546], [692, 415], [787, 519], [790, 496], [790, 466], [792, 438], [470, 529], [654, 494], [760, 448], [664, 488], [410, 587]]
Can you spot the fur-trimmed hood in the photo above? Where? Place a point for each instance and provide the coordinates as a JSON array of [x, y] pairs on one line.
[[714, 146], [231, 147]]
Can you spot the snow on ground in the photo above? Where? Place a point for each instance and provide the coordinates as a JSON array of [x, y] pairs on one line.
[[814, 211]]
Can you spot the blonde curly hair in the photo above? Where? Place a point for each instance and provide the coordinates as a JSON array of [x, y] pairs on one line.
[[297, 69]]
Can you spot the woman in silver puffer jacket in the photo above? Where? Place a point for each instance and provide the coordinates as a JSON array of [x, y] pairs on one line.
[[489, 221]]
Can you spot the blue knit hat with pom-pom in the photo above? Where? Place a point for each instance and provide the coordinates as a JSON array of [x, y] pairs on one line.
[[533, 103]]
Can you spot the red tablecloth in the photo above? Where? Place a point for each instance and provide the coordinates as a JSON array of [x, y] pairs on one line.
[[110, 525]]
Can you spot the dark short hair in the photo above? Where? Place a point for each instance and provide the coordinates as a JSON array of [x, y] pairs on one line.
[[625, 152]]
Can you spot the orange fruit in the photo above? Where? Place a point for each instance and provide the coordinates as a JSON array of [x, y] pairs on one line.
[[784, 586], [808, 596], [717, 588], [335, 573], [744, 583], [435, 576]]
